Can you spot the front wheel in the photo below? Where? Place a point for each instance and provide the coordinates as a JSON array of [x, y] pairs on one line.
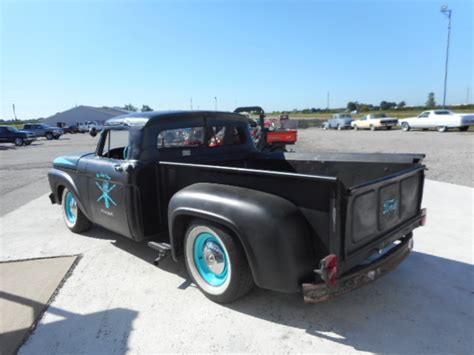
[[19, 142], [356, 127], [442, 129], [73, 217], [216, 262], [405, 126], [49, 136], [56, 137], [339, 127], [372, 127]]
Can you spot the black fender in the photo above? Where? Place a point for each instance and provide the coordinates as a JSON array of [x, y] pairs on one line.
[[58, 178], [273, 232]]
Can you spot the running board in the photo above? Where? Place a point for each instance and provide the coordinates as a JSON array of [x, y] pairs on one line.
[[163, 250]]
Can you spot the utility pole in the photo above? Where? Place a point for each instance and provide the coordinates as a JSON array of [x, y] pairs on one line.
[[14, 112], [215, 103], [191, 103], [327, 106], [447, 12]]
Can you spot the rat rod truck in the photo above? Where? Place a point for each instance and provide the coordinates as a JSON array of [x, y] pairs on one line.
[[322, 223]]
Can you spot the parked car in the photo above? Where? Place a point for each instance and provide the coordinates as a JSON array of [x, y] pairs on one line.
[[9, 134], [375, 121], [67, 129], [339, 121], [442, 120], [89, 126], [43, 130], [238, 216]]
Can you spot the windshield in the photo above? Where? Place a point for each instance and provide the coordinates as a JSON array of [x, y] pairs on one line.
[[12, 129]]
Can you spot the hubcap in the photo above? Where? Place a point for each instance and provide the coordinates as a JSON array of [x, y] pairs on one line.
[[71, 207], [211, 259]]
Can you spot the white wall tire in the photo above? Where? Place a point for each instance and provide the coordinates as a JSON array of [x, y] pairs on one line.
[[216, 262], [73, 217]]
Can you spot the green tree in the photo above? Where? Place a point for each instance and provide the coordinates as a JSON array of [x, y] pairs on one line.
[[146, 108], [401, 104], [130, 107], [351, 106], [431, 103]]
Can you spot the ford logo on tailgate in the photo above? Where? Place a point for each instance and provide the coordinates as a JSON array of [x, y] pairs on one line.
[[389, 206]]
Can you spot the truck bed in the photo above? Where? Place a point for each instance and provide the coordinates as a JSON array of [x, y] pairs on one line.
[[353, 203]]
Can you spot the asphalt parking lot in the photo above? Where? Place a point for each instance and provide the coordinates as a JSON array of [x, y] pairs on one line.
[[117, 301]]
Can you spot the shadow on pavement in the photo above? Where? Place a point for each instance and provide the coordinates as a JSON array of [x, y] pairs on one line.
[[426, 305], [109, 329]]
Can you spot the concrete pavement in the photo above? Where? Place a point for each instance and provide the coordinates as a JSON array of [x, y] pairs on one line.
[[25, 290], [116, 301]]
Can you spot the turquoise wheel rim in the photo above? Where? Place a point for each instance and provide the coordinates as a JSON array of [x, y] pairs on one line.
[[71, 207], [211, 259]]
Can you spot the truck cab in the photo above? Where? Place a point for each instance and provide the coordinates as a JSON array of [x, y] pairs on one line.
[[193, 185]]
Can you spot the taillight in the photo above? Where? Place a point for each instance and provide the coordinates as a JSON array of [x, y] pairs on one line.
[[328, 269], [423, 217]]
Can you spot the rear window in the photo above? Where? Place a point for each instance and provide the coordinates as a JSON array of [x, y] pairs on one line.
[[191, 137]]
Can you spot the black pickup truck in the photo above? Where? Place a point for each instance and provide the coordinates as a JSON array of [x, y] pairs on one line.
[[322, 223]]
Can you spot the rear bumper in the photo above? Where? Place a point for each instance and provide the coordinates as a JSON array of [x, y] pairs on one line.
[[360, 276]]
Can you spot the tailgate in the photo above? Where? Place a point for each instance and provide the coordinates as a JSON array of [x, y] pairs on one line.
[[377, 208]]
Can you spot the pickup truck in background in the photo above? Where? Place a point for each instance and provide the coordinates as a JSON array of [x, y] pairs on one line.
[[375, 121], [442, 120], [339, 121], [9, 134], [323, 224], [43, 130]]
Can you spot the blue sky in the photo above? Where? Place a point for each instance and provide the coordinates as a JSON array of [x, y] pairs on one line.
[[280, 55]]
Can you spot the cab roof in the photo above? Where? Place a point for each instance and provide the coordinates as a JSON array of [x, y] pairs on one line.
[[143, 119]]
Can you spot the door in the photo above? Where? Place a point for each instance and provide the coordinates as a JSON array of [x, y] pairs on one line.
[[4, 135], [108, 181], [423, 121]]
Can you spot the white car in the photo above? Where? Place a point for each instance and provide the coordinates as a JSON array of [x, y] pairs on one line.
[[442, 120], [374, 121]]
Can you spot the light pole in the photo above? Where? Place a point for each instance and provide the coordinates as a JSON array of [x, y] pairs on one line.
[[447, 12], [215, 103]]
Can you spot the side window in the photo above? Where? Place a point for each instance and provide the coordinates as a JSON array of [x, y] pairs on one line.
[[115, 145], [181, 137]]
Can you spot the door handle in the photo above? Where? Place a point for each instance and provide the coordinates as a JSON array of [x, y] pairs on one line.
[[118, 168]]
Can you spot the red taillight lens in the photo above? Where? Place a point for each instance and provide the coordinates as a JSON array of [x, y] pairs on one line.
[[423, 217], [329, 269]]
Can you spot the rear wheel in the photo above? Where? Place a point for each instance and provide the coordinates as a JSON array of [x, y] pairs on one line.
[[19, 142], [339, 127], [356, 127], [463, 128], [216, 262], [442, 129], [49, 136], [389, 127], [73, 217], [372, 127], [325, 126], [405, 126]]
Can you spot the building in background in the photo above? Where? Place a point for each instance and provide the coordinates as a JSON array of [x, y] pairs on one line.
[[84, 113]]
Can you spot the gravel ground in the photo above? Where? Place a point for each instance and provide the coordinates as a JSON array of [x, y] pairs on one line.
[[449, 156]]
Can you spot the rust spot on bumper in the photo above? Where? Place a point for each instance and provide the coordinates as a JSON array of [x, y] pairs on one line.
[[320, 292]]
